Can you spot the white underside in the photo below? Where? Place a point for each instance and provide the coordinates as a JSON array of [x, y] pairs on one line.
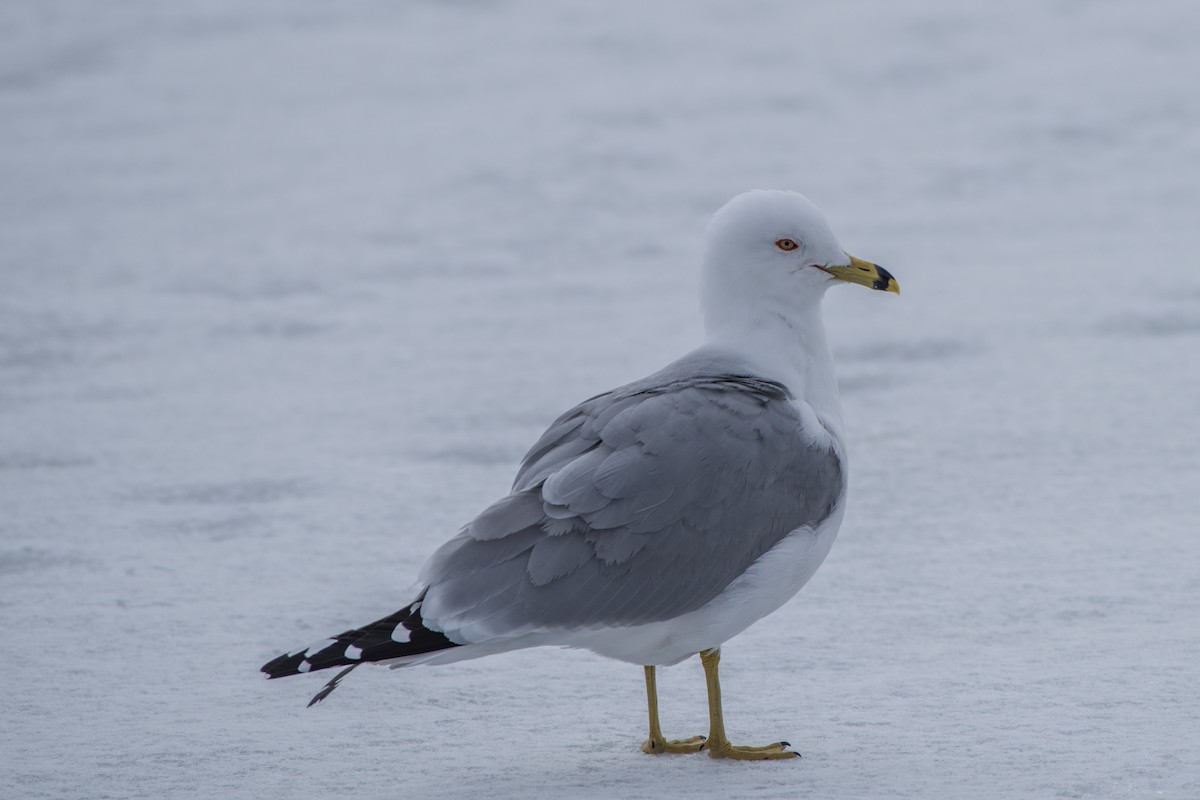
[[770, 582]]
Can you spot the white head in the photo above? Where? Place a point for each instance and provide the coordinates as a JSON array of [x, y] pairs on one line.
[[772, 253]]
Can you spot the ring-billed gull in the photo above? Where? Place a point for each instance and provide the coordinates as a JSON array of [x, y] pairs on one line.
[[656, 521]]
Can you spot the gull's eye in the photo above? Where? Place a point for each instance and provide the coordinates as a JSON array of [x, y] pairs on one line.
[[787, 245]]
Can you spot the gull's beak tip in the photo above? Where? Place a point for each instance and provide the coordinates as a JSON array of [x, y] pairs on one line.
[[886, 282]]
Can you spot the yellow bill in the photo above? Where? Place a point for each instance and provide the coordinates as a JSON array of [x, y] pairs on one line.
[[865, 273]]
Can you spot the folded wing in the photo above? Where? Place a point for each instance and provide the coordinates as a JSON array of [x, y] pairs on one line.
[[636, 506]]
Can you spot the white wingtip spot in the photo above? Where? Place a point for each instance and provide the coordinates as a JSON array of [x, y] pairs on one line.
[[353, 652], [317, 647], [304, 667], [401, 634]]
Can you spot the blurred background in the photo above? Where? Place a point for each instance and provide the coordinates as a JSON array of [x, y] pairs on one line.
[[286, 290]]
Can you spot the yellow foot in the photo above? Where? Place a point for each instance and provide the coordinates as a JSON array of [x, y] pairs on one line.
[[764, 753], [656, 747]]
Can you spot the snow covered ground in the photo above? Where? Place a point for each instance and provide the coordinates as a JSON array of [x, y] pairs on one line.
[[287, 288]]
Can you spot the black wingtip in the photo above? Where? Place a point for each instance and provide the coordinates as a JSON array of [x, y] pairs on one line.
[[283, 666], [329, 687], [396, 636]]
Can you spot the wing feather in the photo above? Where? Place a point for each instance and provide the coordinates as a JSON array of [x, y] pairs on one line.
[[636, 506]]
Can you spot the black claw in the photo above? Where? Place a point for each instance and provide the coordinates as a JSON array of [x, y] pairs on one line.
[[786, 744]]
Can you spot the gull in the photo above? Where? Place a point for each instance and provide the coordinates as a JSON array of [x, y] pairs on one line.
[[658, 520]]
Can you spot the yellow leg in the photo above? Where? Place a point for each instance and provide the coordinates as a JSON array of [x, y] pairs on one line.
[[657, 744], [718, 745]]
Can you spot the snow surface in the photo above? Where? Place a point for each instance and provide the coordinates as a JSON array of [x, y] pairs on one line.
[[288, 288]]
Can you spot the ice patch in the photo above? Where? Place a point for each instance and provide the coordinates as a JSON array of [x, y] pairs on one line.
[[1062, 268]]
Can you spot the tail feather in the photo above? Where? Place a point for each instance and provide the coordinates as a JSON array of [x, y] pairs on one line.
[[401, 634]]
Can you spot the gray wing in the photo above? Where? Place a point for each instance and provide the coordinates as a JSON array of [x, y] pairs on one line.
[[636, 506]]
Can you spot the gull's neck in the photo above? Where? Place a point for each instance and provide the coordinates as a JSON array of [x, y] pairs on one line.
[[785, 342]]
